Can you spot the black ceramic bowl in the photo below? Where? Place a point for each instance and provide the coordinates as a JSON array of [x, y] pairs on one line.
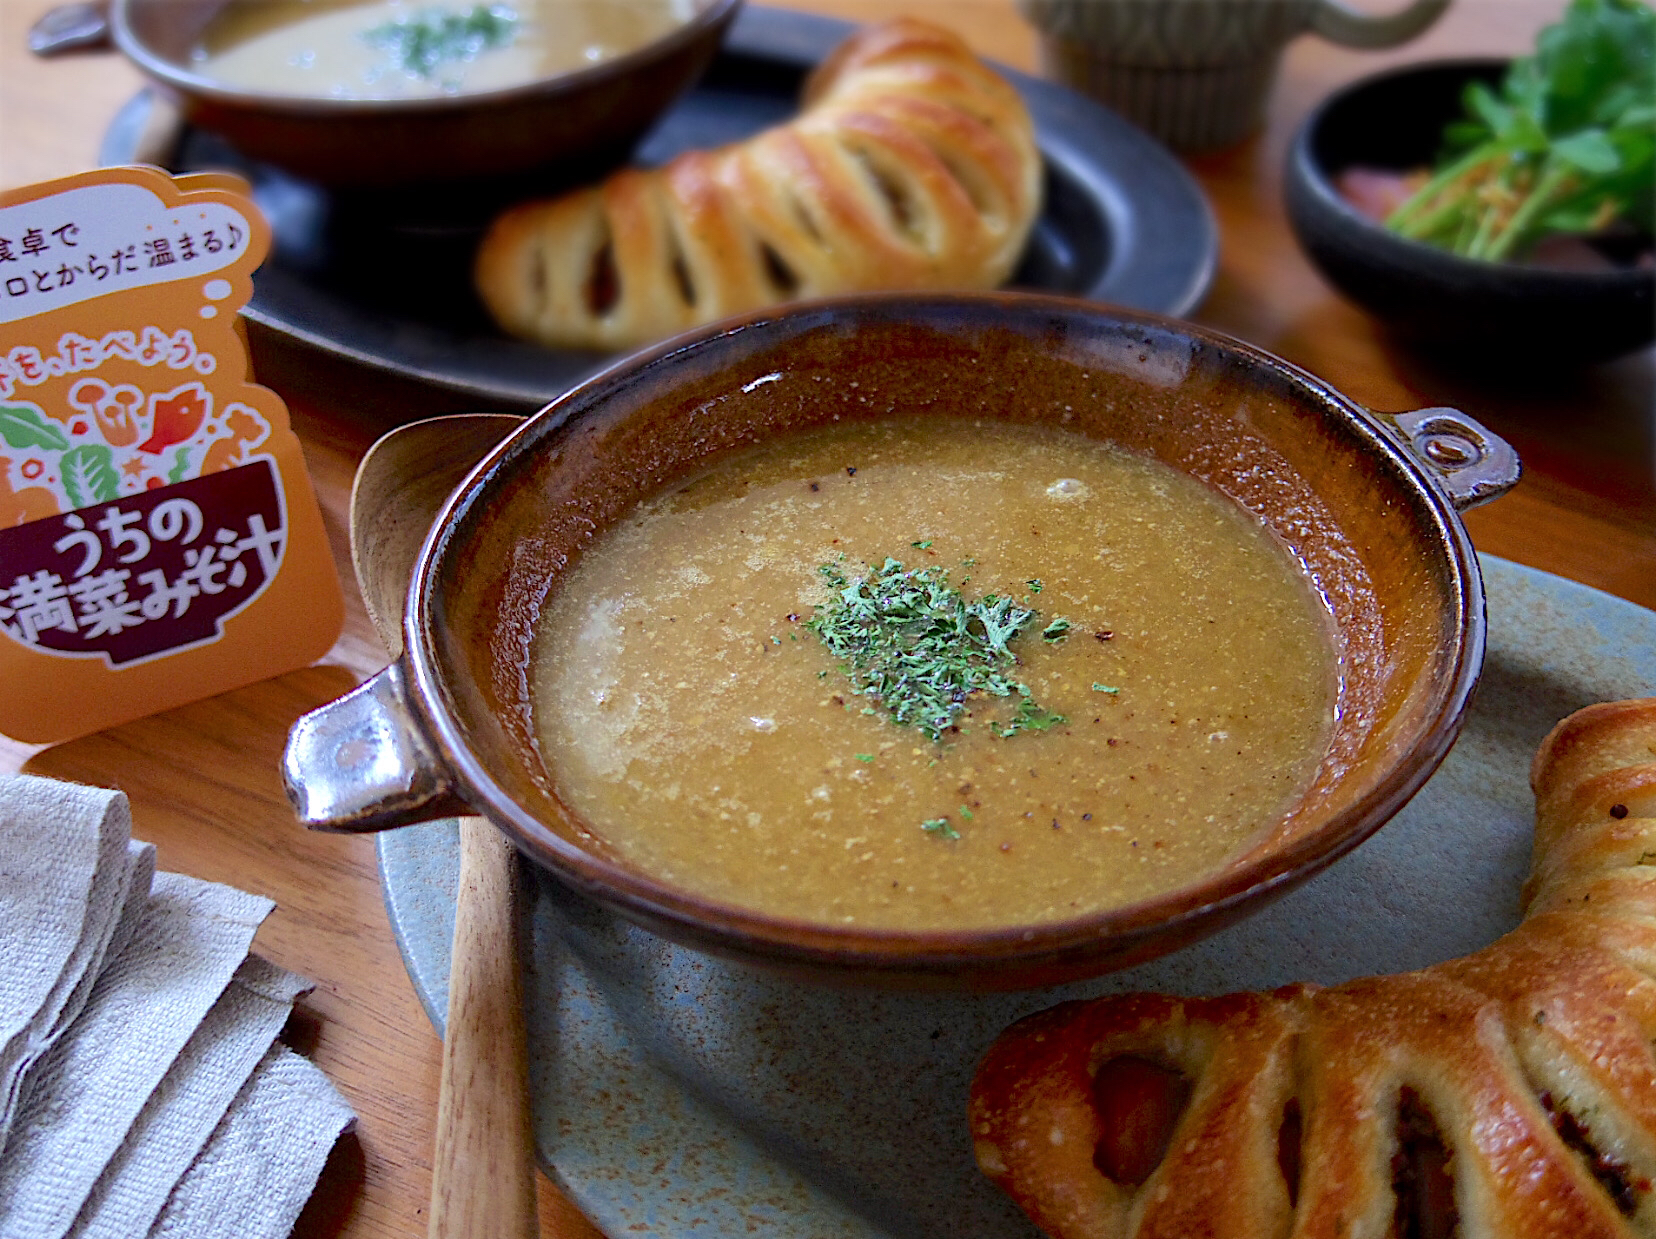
[[1487, 312]]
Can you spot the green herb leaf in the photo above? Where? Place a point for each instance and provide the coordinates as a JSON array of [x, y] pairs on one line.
[[1565, 144], [965, 813], [865, 757], [924, 546], [432, 37], [1590, 150], [940, 827], [1057, 630], [1034, 584], [1031, 717], [910, 641], [1104, 688]]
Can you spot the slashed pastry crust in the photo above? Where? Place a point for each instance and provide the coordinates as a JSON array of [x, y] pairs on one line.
[[1507, 1093], [911, 166]]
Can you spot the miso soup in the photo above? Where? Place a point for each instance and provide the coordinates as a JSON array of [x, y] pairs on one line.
[[934, 674]]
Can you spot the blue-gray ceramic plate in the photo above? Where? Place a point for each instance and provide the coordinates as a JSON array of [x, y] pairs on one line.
[[678, 1095], [1123, 222]]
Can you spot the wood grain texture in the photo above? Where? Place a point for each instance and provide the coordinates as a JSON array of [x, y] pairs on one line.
[[483, 1182], [203, 779]]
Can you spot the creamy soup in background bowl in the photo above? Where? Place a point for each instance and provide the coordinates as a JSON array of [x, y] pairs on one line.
[[386, 94], [420, 49], [983, 640]]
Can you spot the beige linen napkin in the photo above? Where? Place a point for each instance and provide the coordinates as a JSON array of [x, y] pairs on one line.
[[67, 867], [82, 1097], [259, 1168], [138, 1058], [195, 1094]]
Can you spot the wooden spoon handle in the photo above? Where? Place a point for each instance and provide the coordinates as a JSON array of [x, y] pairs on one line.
[[483, 1172]]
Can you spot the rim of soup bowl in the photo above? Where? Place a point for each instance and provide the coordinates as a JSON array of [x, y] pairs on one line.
[[1128, 932], [185, 80]]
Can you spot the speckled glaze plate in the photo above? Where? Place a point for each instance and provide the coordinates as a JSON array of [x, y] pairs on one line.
[[678, 1095], [1123, 222]]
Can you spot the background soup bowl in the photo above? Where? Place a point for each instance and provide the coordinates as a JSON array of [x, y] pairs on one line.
[[1368, 502], [557, 129]]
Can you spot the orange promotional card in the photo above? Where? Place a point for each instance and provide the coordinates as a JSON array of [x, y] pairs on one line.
[[159, 539]]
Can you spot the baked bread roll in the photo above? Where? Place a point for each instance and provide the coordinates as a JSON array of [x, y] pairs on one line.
[[911, 166], [1508, 1093]]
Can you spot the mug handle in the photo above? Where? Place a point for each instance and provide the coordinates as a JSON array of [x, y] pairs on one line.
[[1340, 23], [1470, 462]]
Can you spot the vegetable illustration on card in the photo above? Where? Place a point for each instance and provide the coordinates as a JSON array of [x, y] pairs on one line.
[[159, 540]]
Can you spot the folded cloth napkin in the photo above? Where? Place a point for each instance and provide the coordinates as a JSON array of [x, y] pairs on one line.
[[194, 1095], [287, 1111], [136, 1034], [60, 911], [83, 1096]]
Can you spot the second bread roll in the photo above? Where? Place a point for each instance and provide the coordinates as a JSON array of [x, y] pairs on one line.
[[1507, 1094], [911, 166]]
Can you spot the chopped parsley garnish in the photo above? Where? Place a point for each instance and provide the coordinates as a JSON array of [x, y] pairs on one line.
[[940, 827], [1034, 584], [1104, 688], [1031, 717], [865, 757], [1057, 630], [431, 37], [924, 546], [910, 641]]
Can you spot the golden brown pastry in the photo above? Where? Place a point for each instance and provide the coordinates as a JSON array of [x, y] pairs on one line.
[[1508, 1093], [911, 166]]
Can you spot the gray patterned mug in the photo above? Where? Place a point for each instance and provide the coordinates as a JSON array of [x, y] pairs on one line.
[[1197, 73]]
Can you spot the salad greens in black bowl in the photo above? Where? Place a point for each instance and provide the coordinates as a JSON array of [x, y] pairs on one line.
[[1497, 212]]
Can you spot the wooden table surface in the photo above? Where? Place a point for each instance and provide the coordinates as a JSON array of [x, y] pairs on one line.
[[203, 779]]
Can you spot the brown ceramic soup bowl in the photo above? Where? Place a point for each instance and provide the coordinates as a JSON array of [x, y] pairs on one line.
[[1368, 502], [554, 130]]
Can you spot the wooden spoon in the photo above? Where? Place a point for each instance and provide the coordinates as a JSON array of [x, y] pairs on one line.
[[483, 1169]]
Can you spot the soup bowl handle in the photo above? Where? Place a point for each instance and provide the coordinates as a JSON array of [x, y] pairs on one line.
[[1469, 462], [362, 763]]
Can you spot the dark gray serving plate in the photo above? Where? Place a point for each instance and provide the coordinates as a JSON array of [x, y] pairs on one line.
[[1123, 223]]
